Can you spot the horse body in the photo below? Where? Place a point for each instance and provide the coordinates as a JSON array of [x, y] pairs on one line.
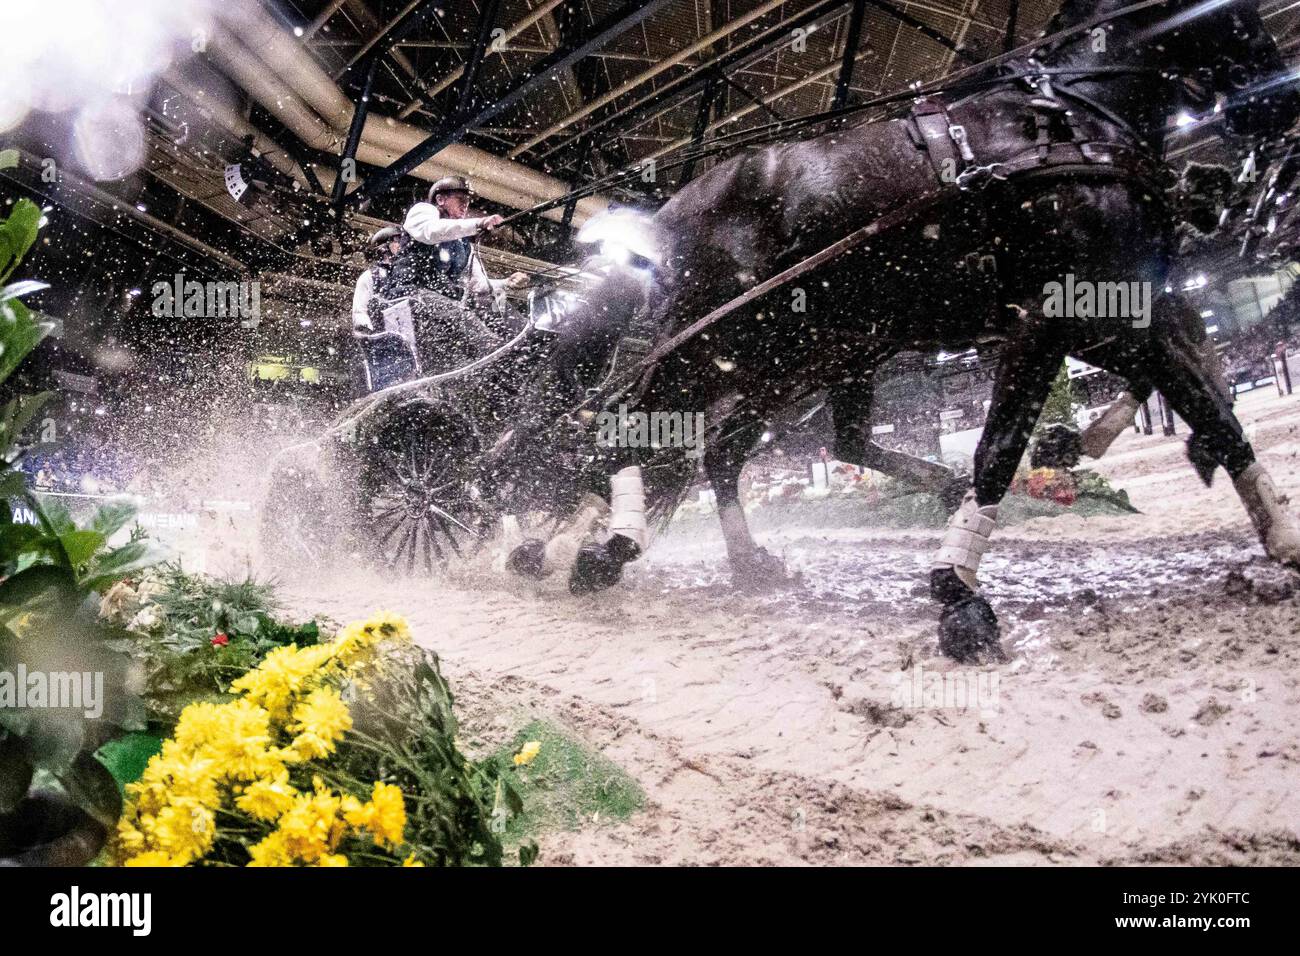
[[946, 276]]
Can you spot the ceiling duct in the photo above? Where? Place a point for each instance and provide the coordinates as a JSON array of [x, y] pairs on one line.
[[281, 75]]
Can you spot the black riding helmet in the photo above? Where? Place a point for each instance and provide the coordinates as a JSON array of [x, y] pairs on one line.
[[377, 247], [449, 184]]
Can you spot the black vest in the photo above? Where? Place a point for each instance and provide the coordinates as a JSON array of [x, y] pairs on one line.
[[421, 265]]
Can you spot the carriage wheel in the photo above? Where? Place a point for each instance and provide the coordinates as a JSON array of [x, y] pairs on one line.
[[421, 507], [295, 530]]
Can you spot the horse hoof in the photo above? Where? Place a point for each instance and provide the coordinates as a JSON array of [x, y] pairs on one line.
[[968, 632], [761, 569], [526, 560], [600, 566], [1285, 550]]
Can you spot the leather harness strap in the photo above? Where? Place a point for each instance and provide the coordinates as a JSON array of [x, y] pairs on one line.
[[934, 135], [944, 142]]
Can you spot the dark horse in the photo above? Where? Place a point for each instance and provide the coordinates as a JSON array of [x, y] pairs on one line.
[[1047, 172]]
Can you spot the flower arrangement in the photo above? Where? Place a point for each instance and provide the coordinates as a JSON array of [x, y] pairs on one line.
[[248, 781], [196, 634], [1050, 484]]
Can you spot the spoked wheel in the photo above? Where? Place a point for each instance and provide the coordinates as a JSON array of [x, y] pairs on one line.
[[421, 506]]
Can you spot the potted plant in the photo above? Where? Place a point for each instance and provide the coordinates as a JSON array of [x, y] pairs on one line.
[[63, 671]]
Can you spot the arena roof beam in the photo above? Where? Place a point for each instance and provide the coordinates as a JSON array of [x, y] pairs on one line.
[[851, 40], [936, 35], [707, 99], [784, 91], [322, 18], [754, 98], [667, 63], [744, 54], [397, 29], [487, 19], [359, 113], [737, 58], [451, 131], [533, 17]]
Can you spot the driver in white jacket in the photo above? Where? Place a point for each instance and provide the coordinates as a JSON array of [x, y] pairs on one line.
[[444, 222]]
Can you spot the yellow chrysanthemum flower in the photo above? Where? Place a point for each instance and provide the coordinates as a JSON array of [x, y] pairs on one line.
[[285, 673], [271, 851], [319, 722], [359, 638], [268, 799], [389, 819], [129, 839], [528, 753], [185, 829], [234, 757]]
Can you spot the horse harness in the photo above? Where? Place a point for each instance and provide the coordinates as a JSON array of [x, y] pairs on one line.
[[1059, 147]]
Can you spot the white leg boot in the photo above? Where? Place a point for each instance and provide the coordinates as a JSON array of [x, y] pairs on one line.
[[966, 539], [627, 506], [1277, 527]]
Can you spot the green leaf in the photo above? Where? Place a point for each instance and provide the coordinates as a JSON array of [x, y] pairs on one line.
[[112, 516], [126, 757], [52, 512], [80, 546], [90, 784], [12, 484], [19, 413], [513, 800], [17, 538], [528, 853], [113, 566], [18, 335], [35, 582], [17, 234], [16, 290]]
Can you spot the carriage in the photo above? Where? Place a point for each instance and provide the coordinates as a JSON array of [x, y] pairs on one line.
[[416, 473]]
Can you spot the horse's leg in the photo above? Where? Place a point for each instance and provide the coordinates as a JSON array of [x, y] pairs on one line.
[[1178, 370], [851, 415], [1177, 318], [599, 565], [723, 462], [968, 628], [1097, 438], [535, 558]]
